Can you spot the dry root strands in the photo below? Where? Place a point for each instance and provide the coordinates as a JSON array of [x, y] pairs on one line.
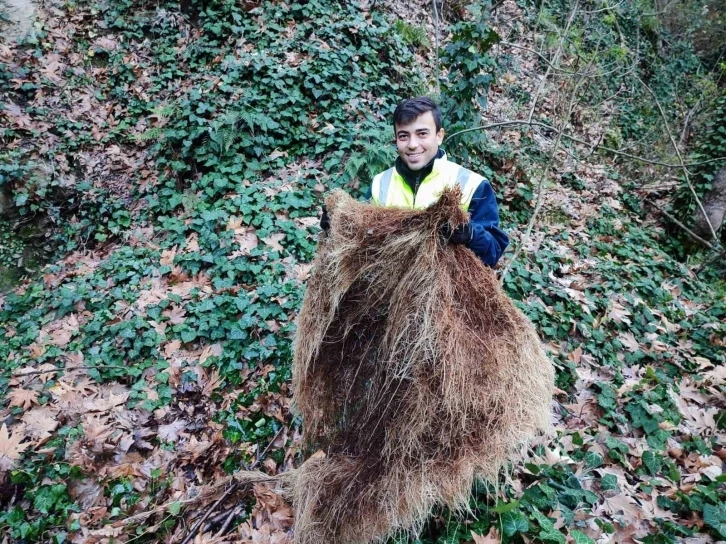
[[413, 371]]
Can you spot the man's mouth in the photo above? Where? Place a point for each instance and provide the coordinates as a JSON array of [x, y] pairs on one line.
[[414, 155]]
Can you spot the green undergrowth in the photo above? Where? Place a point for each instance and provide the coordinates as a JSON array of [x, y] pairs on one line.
[[627, 44], [242, 116], [629, 52], [710, 144], [644, 323]]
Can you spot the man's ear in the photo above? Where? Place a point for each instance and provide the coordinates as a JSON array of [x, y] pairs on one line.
[[440, 136]]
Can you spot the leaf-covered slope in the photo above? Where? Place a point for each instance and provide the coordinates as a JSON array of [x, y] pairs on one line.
[[190, 151]]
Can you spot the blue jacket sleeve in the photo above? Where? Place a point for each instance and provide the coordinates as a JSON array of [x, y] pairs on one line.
[[369, 192], [488, 241]]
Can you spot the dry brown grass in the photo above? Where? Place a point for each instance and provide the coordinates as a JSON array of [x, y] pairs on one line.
[[413, 371]]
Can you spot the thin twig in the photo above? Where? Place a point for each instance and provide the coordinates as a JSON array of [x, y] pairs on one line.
[[687, 122], [656, 13], [436, 46], [617, 25], [217, 519], [195, 529], [69, 369], [225, 526], [594, 147], [607, 8], [555, 59], [540, 183], [514, 122], [680, 158], [193, 532], [688, 231], [714, 258], [692, 111], [143, 515], [540, 55], [562, 70], [264, 452]]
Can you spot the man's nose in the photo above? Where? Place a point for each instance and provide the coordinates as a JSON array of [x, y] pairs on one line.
[[412, 143]]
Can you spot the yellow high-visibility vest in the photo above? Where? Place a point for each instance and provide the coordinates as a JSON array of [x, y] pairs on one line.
[[390, 189]]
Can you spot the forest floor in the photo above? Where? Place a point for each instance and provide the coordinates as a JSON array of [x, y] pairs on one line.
[[152, 360]]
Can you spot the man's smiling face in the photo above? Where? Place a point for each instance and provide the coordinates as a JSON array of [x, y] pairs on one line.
[[418, 142]]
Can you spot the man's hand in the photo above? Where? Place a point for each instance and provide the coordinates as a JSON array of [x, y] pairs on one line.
[[325, 220], [460, 235]]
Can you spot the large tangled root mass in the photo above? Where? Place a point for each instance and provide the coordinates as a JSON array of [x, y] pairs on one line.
[[413, 372]]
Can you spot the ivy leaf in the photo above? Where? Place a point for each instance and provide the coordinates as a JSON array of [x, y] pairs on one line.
[[593, 459], [188, 336], [514, 522], [237, 334], [609, 482], [47, 497], [544, 522], [651, 462], [715, 517], [503, 507], [553, 536], [581, 538]]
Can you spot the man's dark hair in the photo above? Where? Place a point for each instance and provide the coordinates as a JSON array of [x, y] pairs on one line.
[[411, 109]]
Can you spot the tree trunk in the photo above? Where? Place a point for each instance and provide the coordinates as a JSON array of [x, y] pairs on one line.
[[715, 205]]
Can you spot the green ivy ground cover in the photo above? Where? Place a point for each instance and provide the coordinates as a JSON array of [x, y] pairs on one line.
[[184, 154]]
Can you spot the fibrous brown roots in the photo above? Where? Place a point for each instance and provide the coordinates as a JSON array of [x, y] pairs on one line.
[[413, 372]]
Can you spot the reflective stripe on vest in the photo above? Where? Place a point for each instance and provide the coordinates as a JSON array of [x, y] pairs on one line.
[[385, 184], [390, 189], [461, 178]]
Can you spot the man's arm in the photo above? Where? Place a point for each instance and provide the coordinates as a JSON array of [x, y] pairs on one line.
[[488, 241]]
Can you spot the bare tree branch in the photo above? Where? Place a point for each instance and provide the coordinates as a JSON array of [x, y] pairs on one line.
[[69, 369], [680, 158], [555, 59], [539, 200], [195, 529], [436, 46], [687, 122], [540, 55], [688, 231], [514, 122]]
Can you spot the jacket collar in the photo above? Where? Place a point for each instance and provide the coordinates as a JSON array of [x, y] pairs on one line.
[[413, 178]]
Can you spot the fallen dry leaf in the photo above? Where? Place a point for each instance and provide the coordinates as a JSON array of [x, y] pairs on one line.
[[170, 432], [167, 256], [247, 242], [41, 422], [212, 383], [10, 446], [274, 241], [171, 348], [215, 350], [618, 313], [623, 504], [87, 492], [24, 398], [492, 537], [176, 315]]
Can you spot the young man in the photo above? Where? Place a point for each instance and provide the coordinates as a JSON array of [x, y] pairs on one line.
[[422, 171]]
